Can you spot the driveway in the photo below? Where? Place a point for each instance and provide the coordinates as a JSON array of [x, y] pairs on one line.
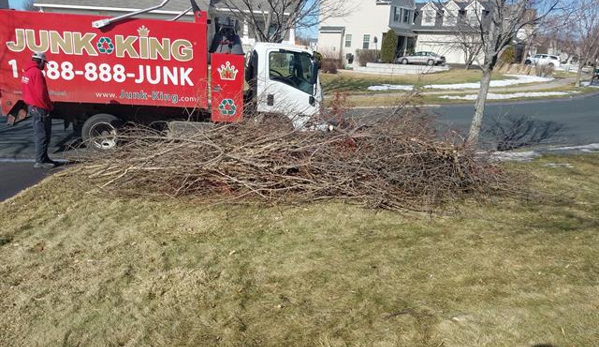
[[18, 175], [17, 153], [16, 142]]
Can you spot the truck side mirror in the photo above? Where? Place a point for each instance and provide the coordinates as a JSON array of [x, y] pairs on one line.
[[314, 72]]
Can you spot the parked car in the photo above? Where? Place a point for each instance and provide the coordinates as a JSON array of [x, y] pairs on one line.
[[544, 59], [428, 58]]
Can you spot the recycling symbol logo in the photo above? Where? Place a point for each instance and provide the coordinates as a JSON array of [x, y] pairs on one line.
[[105, 45], [227, 107]]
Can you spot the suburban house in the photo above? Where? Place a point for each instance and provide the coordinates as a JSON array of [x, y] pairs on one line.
[[362, 28], [450, 28], [172, 9], [446, 28]]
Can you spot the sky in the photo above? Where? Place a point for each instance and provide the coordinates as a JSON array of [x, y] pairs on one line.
[[16, 3]]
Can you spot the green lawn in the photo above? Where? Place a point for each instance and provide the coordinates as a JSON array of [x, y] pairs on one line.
[[83, 268]]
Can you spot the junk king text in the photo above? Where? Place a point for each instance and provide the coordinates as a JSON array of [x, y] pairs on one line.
[[141, 46], [176, 76]]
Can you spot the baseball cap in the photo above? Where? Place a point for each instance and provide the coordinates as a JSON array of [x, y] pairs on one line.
[[39, 55]]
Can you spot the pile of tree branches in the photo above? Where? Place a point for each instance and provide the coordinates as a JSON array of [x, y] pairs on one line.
[[394, 163]]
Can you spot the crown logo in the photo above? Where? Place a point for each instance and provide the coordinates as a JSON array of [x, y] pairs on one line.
[[228, 72], [143, 31]]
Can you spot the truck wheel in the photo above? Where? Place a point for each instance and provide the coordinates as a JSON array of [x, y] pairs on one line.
[[99, 131]]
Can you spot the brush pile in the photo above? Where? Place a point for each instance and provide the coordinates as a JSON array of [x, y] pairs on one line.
[[394, 163]]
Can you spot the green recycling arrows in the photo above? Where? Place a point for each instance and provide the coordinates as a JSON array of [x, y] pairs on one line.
[[227, 107], [105, 45]]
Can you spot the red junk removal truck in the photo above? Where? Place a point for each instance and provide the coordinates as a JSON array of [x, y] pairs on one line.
[[103, 70]]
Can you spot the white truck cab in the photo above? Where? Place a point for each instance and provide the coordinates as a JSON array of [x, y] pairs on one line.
[[284, 80]]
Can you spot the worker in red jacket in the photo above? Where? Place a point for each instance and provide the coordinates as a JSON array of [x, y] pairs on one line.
[[39, 106]]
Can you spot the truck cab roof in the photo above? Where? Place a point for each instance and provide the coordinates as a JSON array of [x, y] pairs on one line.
[[264, 46]]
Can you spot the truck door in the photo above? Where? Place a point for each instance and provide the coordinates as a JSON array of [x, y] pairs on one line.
[[288, 85]]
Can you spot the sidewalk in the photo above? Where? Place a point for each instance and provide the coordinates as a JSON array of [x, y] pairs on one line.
[[557, 83]]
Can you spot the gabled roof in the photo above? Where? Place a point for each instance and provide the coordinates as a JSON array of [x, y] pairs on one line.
[[453, 4], [461, 4]]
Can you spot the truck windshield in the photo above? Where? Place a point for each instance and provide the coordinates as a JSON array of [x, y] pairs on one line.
[[291, 68]]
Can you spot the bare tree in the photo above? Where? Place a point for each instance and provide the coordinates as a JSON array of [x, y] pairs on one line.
[[468, 41], [498, 24], [28, 5], [272, 20], [584, 26]]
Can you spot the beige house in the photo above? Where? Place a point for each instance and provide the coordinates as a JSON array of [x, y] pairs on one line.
[[434, 26], [362, 28]]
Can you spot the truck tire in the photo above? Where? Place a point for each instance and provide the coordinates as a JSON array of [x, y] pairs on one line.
[[100, 131]]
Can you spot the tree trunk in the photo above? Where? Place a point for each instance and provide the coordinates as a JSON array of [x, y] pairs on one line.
[[525, 53], [479, 106], [579, 72]]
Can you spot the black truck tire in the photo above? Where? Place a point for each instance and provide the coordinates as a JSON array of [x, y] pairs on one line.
[[100, 131]]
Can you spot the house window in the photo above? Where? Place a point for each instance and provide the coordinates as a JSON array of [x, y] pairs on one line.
[[347, 40], [474, 13], [473, 17], [429, 17], [406, 15], [396, 14], [366, 42], [450, 18]]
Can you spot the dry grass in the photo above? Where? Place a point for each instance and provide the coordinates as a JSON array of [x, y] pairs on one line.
[[434, 99], [81, 269], [353, 82]]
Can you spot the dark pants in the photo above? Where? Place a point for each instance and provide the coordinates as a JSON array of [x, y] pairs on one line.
[[42, 129]]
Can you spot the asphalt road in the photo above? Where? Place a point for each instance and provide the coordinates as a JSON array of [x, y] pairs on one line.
[[17, 153], [579, 117], [16, 176]]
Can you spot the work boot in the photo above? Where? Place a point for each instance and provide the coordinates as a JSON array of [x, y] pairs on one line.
[[47, 165]]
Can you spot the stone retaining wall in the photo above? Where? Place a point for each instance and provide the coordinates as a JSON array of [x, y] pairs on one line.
[[398, 69]]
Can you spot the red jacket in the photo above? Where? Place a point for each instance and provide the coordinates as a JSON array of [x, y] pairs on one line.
[[35, 90]]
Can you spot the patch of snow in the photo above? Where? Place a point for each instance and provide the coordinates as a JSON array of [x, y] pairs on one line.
[[386, 87], [556, 165], [515, 156], [493, 96], [586, 148], [516, 79], [588, 84], [530, 155]]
